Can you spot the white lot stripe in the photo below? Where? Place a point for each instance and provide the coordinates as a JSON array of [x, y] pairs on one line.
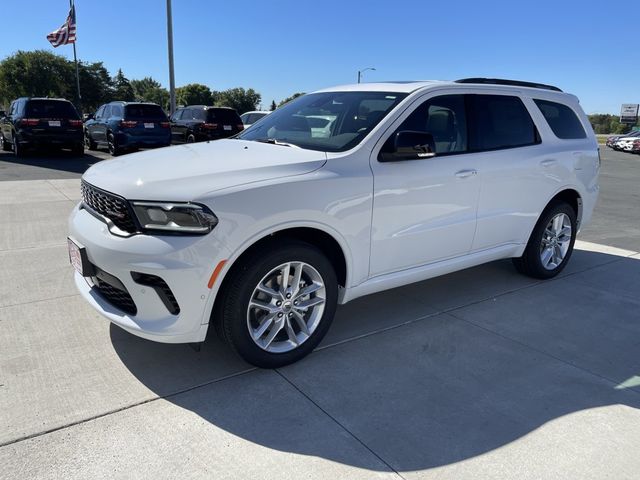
[[629, 383], [596, 247]]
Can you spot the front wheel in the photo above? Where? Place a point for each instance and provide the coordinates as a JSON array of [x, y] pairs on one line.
[[6, 146], [88, 141], [18, 150], [112, 144], [278, 304], [551, 243]]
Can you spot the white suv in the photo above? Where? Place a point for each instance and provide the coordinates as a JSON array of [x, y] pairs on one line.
[[264, 234]]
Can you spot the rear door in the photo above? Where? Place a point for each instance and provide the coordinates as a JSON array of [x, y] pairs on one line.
[[177, 130], [515, 168]]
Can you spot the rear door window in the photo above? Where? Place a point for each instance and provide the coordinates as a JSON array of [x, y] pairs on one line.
[[144, 112], [499, 121], [51, 109], [562, 119]]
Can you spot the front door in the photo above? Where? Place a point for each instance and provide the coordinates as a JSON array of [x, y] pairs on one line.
[[424, 210]]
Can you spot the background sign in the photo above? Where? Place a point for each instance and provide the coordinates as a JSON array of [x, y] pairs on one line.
[[629, 113]]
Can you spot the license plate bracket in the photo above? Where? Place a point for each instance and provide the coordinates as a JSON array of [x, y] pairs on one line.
[[79, 259]]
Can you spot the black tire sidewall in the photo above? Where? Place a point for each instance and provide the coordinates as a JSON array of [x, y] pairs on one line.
[[533, 248], [241, 286]]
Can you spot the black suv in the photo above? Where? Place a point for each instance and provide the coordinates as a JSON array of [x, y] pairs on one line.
[[41, 122], [197, 123], [122, 126]]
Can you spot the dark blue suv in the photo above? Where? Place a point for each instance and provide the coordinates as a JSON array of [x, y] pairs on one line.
[[122, 126]]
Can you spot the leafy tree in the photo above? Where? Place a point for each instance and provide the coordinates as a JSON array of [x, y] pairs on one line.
[[96, 85], [38, 73], [194, 94], [150, 90], [273, 105], [292, 97], [122, 89], [240, 99], [605, 123]]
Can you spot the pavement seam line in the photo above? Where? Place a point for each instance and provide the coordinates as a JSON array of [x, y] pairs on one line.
[[122, 409], [58, 190], [277, 370], [38, 301], [31, 247], [542, 352]]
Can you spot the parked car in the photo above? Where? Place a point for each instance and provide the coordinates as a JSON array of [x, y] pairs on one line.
[[261, 236], [197, 123], [625, 143], [635, 146], [249, 118], [122, 126], [41, 122], [612, 141]]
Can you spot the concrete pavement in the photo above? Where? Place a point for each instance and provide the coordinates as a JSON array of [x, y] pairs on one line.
[[479, 374]]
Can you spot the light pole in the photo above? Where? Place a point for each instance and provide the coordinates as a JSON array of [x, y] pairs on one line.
[[172, 80], [360, 72]]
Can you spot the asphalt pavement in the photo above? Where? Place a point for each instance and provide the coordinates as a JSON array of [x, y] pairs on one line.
[[479, 374]]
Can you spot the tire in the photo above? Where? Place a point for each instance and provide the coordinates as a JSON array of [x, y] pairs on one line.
[[89, 143], [550, 245], [112, 145], [6, 146], [18, 150], [78, 150], [235, 316], [191, 138]]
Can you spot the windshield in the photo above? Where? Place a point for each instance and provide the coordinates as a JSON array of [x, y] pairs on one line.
[[330, 121]]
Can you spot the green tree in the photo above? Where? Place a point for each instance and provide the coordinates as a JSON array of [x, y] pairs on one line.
[[273, 105], [240, 99], [37, 73], [292, 97], [603, 123], [96, 85], [122, 89], [194, 94], [150, 90]]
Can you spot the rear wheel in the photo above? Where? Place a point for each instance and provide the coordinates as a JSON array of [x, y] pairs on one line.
[[112, 144], [18, 150], [278, 303], [551, 243]]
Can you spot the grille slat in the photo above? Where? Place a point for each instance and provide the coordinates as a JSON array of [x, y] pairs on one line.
[[116, 297], [109, 205]]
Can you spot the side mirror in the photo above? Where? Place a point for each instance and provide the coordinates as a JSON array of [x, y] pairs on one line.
[[408, 145]]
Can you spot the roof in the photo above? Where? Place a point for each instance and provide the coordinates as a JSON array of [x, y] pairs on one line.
[[412, 86]]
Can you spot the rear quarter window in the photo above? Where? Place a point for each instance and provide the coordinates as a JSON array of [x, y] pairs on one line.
[[562, 119]]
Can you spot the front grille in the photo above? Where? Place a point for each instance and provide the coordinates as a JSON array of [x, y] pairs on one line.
[[114, 292], [107, 204]]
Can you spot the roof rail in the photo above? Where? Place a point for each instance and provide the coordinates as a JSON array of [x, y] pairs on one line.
[[502, 81]]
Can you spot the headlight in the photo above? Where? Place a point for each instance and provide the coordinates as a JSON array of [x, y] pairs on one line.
[[188, 218]]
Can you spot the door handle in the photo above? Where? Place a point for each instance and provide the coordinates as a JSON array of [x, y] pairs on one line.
[[550, 162], [466, 173]]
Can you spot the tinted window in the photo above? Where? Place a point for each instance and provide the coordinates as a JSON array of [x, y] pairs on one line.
[[51, 109], [116, 111], [107, 112], [254, 117], [445, 119], [223, 115], [99, 112], [562, 120], [354, 115], [499, 121], [177, 115], [198, 114], [144, 112]]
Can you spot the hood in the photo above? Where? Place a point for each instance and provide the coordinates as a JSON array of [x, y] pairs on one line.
[[187, 172]]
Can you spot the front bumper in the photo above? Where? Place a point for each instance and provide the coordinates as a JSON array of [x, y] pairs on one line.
[[184, 263]]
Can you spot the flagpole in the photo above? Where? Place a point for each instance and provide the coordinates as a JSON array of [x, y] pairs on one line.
[[75, 58], [172, 81]]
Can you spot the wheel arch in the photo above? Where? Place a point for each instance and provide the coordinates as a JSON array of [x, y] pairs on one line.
[[327, 243], [570, 196]]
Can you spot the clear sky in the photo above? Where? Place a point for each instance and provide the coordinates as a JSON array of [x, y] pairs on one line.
[[279, 47]]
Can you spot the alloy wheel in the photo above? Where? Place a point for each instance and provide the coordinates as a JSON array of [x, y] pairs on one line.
[[286, 307], [556, 240]]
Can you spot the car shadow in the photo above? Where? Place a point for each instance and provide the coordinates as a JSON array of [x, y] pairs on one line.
[[61, 160], [484, 368]]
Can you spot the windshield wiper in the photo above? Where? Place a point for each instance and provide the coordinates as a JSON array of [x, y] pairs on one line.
[[273, 141]]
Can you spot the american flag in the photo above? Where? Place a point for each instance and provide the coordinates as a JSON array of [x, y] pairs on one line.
[[66, 33]]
